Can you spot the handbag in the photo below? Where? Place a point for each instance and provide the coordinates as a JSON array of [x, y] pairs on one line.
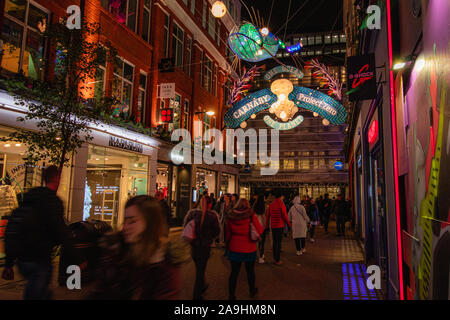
[[253, 233], [189, 231]]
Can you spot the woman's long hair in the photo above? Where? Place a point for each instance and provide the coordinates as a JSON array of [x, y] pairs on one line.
[[156, 232], [260, 205], [241, 205]]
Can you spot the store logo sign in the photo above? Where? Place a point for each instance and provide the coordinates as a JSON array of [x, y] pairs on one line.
[[338, 165], [361, 74], [125, 144]]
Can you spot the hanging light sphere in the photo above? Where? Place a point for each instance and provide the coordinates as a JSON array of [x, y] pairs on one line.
[[218, 9], [326, 122], [244, 125], [315, 114], [253, 116], [265, 31]]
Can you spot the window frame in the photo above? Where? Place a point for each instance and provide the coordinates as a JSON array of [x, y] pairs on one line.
[[208, 74], [123, 80], [25, 29], [166, 35], [149, 10], [144, 91]]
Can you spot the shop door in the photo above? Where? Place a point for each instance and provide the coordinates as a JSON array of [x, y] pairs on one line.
[[183, 194], [379, 213]]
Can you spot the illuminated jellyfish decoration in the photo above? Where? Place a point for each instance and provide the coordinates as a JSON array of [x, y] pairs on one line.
[[250, 45]]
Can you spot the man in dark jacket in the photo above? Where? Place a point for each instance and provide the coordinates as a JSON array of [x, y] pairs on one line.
[[32, 233], [341, 212], [326, 207]]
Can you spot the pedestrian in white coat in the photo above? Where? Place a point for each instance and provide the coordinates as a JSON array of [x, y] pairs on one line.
[[299, 220]]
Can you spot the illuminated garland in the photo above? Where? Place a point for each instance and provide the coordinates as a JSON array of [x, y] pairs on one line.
[[326, 79]]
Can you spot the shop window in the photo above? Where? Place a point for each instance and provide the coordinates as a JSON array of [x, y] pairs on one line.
[[123, 85], [208, 74], [166, 35], [178, 45], [205, 183], [227, 184], [23, 47], [166, 183], [146, 23], [112, 177], [142, 98], [175, 105]]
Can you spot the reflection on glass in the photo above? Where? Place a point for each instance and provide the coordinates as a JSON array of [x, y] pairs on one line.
[[32, 59], [12, 41], [16, 9]]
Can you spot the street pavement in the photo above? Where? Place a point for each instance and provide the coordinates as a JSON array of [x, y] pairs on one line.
[[315, 275]]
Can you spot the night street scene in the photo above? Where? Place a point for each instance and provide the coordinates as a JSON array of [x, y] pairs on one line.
[[226, 157]]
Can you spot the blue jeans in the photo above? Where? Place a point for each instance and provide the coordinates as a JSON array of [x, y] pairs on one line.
[[38, 275]]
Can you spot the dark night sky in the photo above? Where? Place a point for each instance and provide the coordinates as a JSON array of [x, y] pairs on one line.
[[316, 15]]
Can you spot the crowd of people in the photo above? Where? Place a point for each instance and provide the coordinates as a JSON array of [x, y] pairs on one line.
[[143, 261]]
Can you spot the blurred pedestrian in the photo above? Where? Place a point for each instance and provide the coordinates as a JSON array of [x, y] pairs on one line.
[[167, 211], [326, 205], [241, 246], [33, 230], [139, 262], [314, 218], [340, 211], [259, 208], [275, 219], [206, 230], [299, 219], [234, 199], [214, 201], [320, 205]]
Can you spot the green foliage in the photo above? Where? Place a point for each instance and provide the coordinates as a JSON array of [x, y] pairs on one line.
[[61, 113]]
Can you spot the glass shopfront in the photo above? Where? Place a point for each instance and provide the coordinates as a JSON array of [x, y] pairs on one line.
[[205, 181], [112, 178], [166, 182], [227, 184]]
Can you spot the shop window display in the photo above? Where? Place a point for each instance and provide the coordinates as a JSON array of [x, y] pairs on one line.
[[228, 183], [166, 182], [205, 182], [113, 177]]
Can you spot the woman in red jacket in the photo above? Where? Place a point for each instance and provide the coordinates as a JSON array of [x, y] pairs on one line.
[[241, 248]]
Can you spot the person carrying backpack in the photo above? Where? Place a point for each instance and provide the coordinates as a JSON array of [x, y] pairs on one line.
[[33, 230]]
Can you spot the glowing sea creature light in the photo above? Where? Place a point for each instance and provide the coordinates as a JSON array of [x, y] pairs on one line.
[[251, 45], [284, 108]]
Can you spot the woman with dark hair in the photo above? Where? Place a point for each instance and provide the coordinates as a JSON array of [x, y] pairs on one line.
[[241, 246], [206, 230], [139, 262], [259, 208]]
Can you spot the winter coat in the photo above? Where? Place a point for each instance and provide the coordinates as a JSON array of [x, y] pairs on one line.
[[299, 219], [206, 233], [313, 214], [276, 215], [237, 231], [118, 279]]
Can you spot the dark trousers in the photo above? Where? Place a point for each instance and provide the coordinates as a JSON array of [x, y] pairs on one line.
[[312, 230], [200, 256], [300, 243], [340, 224], [38, 276], [235, 269], [326, 219], [277, 235], [261, 244]]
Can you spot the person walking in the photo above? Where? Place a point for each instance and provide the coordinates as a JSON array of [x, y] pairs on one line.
[[320, 205], [33, 230], [276, 217], [326, 204], [340, 211], [241, 246], [259, 208], [140, 262], [299, 219], [313, 215], [207, 228]]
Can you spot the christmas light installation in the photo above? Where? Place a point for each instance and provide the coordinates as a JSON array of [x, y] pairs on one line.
[[249, 44], [219, 9], [293, 49], [325, 77], [242, 85]]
